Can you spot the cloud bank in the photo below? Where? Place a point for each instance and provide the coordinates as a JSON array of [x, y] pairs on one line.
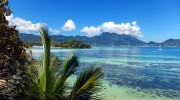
[[123, 28], [25, 26], [91, 31], [69, 26]]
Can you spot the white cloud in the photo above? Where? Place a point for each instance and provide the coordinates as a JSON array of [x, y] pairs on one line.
[[69, 26], [122, 28], [54, 32], [25, 26], [91, 31], [134, 22]]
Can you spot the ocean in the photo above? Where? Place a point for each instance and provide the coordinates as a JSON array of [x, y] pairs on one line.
[[131, 73]]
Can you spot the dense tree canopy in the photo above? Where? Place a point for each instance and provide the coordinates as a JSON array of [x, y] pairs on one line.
[[72, 44]]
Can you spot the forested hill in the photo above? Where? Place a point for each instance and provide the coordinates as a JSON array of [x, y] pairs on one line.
[[105, 38]]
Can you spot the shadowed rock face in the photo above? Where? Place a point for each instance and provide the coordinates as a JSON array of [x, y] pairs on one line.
[[13, 87]]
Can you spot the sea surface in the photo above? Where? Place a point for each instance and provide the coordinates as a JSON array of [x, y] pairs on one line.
[[131, 73]]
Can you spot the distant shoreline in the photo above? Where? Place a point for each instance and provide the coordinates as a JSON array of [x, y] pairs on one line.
[[39, 46]]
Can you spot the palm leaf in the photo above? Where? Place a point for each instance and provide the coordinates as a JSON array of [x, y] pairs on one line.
[[70, 66], [46, 40], [50, 82], [54, 68], [87, 84]]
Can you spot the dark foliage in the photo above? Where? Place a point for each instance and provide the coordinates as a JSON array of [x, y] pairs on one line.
[[72, 44], [12, 57]]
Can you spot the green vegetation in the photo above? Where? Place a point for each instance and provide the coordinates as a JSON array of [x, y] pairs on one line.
[[37, 43], [48, 80], [12, 58], [72, 44], [68, 44]]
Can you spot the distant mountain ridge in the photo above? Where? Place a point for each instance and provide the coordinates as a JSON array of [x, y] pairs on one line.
[[29, 37], [108, 39], [171, 42]]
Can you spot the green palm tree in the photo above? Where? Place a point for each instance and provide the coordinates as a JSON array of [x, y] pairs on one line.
[[49, 81]]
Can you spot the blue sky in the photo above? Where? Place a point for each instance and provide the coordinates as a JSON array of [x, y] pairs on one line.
[[156, 20]]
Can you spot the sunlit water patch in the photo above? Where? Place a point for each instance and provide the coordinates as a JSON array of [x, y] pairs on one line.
[[132, 73]]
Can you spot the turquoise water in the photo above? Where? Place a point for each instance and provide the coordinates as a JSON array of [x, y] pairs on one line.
[[132, 73]]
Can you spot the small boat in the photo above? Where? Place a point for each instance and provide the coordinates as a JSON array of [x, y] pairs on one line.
[[160, 49]]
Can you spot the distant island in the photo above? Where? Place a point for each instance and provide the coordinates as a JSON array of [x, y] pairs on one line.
[[72, 44], [69, 44], [105, 39]]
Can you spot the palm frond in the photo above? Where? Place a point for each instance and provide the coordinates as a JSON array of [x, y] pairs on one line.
[[54, 69], [50, 82], [87, 84], [69, 67], [46, 40], [33, 92], [55, 64], [33, 70]]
